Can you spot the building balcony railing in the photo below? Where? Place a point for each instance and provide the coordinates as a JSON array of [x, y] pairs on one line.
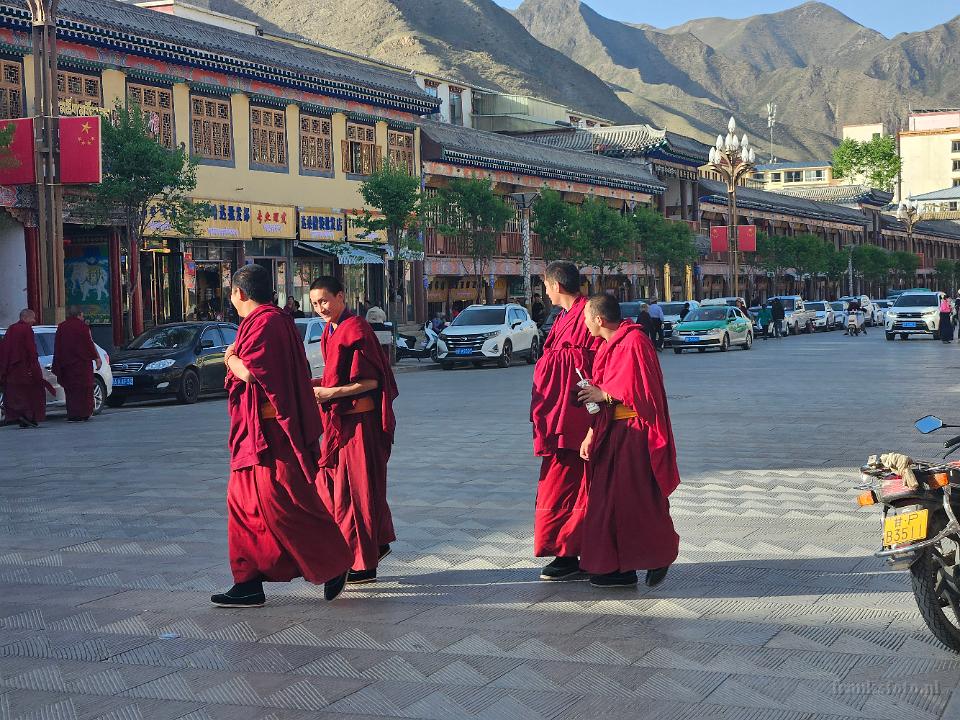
[[509, 244]]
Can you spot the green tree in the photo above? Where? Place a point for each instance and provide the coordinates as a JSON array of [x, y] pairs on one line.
[[469, 209], [807, 254], [904, 265], [875, 161], [945, 272], [555, 222], [6, 136], [396, 194], [774, 255], [872, 263], [603, 237], [662, 242], [836, 266], [143, 183]]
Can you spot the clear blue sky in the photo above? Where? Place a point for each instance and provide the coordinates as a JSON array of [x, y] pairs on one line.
[[887, 16]]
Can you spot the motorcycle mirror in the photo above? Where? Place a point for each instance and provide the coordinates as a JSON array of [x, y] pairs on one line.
[[928, 424]]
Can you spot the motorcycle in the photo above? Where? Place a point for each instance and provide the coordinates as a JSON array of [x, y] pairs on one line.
[[920, 501], [855, 323], [407, 346]]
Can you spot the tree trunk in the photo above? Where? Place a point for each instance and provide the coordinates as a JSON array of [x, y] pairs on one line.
[[395, 305]]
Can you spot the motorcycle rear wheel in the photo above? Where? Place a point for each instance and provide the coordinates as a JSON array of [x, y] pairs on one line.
[[935, 578]]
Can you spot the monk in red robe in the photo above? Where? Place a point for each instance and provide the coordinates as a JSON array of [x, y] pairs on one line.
[[356, 397], [278, 527], [559, 424], [631, 457], [74, 357], [24, 401]]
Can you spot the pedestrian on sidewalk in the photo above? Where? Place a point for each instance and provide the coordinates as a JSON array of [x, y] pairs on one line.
[[74, 357], [356, 397], [22, 379], [559, 424], [656, 314], [631, 457], [764, 320], [645, 321], [946, 320], [777, 314], [278, 527]]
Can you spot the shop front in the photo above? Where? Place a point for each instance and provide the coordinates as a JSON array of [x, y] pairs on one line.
[[321, 231], [273, 229], [89, 283]]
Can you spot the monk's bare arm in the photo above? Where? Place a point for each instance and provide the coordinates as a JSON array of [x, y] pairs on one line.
[[323, 394], [235, 365]]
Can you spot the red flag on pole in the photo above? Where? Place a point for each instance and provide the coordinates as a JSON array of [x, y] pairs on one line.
[[80, 161], [17, 161], [718, 239], [747, 238]]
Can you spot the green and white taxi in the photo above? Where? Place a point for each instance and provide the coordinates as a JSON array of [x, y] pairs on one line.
[[713, 327]]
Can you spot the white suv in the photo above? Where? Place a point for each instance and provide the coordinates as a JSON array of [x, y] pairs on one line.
[[914, 313], [796, 316], [489, 332], [43, 336]]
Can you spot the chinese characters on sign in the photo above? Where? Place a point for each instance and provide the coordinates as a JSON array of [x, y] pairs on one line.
[[321, 225]]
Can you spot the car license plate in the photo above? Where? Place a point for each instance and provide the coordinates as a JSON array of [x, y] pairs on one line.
[[691, 338], [911, 324], [123, 382], [463, 351], [905, 528]]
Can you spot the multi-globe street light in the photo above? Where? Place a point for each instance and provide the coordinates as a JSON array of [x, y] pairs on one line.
[[910, 213], [732, 158]]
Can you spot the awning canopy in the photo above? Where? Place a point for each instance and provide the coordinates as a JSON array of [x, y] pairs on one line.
[[346, 253], [405, 253]]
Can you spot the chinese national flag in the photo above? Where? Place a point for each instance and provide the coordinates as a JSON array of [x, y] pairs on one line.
[[747, 238], [16, 162], [80, 161], [718, 239]]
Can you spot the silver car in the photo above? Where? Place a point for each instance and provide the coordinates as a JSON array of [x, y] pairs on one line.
[[311, 331], [671, 314], [824, 318], [839, 313]]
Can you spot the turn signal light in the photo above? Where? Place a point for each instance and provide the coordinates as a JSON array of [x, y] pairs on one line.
[[938, 480], [867, 498]]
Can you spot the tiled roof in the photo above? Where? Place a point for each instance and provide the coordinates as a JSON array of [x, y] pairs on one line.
[[841, 194], [937, 228], [465, 146], [794, 165], [777, 203], [137, 30], [950, 193], [688, 146], [614, 140]]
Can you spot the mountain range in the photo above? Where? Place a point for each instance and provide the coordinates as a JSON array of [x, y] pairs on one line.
[[821, 68]]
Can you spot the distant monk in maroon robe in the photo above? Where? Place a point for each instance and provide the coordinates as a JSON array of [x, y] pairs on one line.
[[356, 397], [74, 357], [24, 401], [278, 527], [560, 422], [631, 457]]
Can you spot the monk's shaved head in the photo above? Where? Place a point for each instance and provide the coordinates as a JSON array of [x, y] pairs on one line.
[[606, 307], [27, 315], [565, 274], [255, 282], [74, 311]]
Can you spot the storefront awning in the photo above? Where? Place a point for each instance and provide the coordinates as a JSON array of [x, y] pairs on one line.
[[405, 254], [346, 253]]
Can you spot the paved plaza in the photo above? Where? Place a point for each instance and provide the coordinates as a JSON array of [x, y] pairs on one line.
[[112, 538]]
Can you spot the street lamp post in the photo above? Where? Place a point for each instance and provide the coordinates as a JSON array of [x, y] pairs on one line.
[[732, 158], [910, 213], [524, 202]]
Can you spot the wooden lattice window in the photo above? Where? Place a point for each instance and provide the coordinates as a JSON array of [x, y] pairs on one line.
[[11, 90], [211, 128], [268, 137], [79, 87], [316, 143], [157, 104], [400, 150], [361, 156]]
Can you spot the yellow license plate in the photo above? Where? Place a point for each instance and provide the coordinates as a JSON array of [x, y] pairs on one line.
[[905, 528]]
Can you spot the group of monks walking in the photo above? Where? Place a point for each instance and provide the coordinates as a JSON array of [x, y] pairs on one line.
[[307, 495], [24, 387]]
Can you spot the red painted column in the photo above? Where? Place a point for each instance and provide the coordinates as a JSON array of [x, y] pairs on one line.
[[31, 239], [136, 292], [116, 292]]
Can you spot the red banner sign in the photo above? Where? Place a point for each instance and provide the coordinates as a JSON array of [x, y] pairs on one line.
[[16, 162], [747, 238], [718, 239], [80, 159]]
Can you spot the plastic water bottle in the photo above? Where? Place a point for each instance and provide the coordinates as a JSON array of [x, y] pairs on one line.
[[591, 406]]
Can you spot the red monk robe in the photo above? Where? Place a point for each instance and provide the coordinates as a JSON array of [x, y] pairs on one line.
[[277, 525], [633, 463], [356, 442], [21, 377], [559, 425], [73, 356]]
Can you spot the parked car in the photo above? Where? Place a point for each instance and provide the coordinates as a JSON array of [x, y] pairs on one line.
[[839, 313], [796, 315], [548, 322], [631, 310], [182, 359], [730, 300], [671, 314], [311, 332], [489, 332], [824, 317], [866, 305], [713, 326], [43, 336], [914, 313], [880, 308]]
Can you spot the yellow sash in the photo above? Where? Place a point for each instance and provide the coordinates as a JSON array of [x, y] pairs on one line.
[[622, 412]]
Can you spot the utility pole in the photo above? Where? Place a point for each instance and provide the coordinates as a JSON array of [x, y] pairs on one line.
[[771, 121], [47, 155], [524, 202]]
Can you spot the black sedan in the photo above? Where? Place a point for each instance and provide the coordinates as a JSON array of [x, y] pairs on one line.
[[182, 359]]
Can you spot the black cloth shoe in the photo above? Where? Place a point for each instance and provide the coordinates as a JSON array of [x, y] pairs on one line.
[[359, 577], [561, 568], [241, 595], [384, 551], [334, 586], [626, 579], [655, 577]]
